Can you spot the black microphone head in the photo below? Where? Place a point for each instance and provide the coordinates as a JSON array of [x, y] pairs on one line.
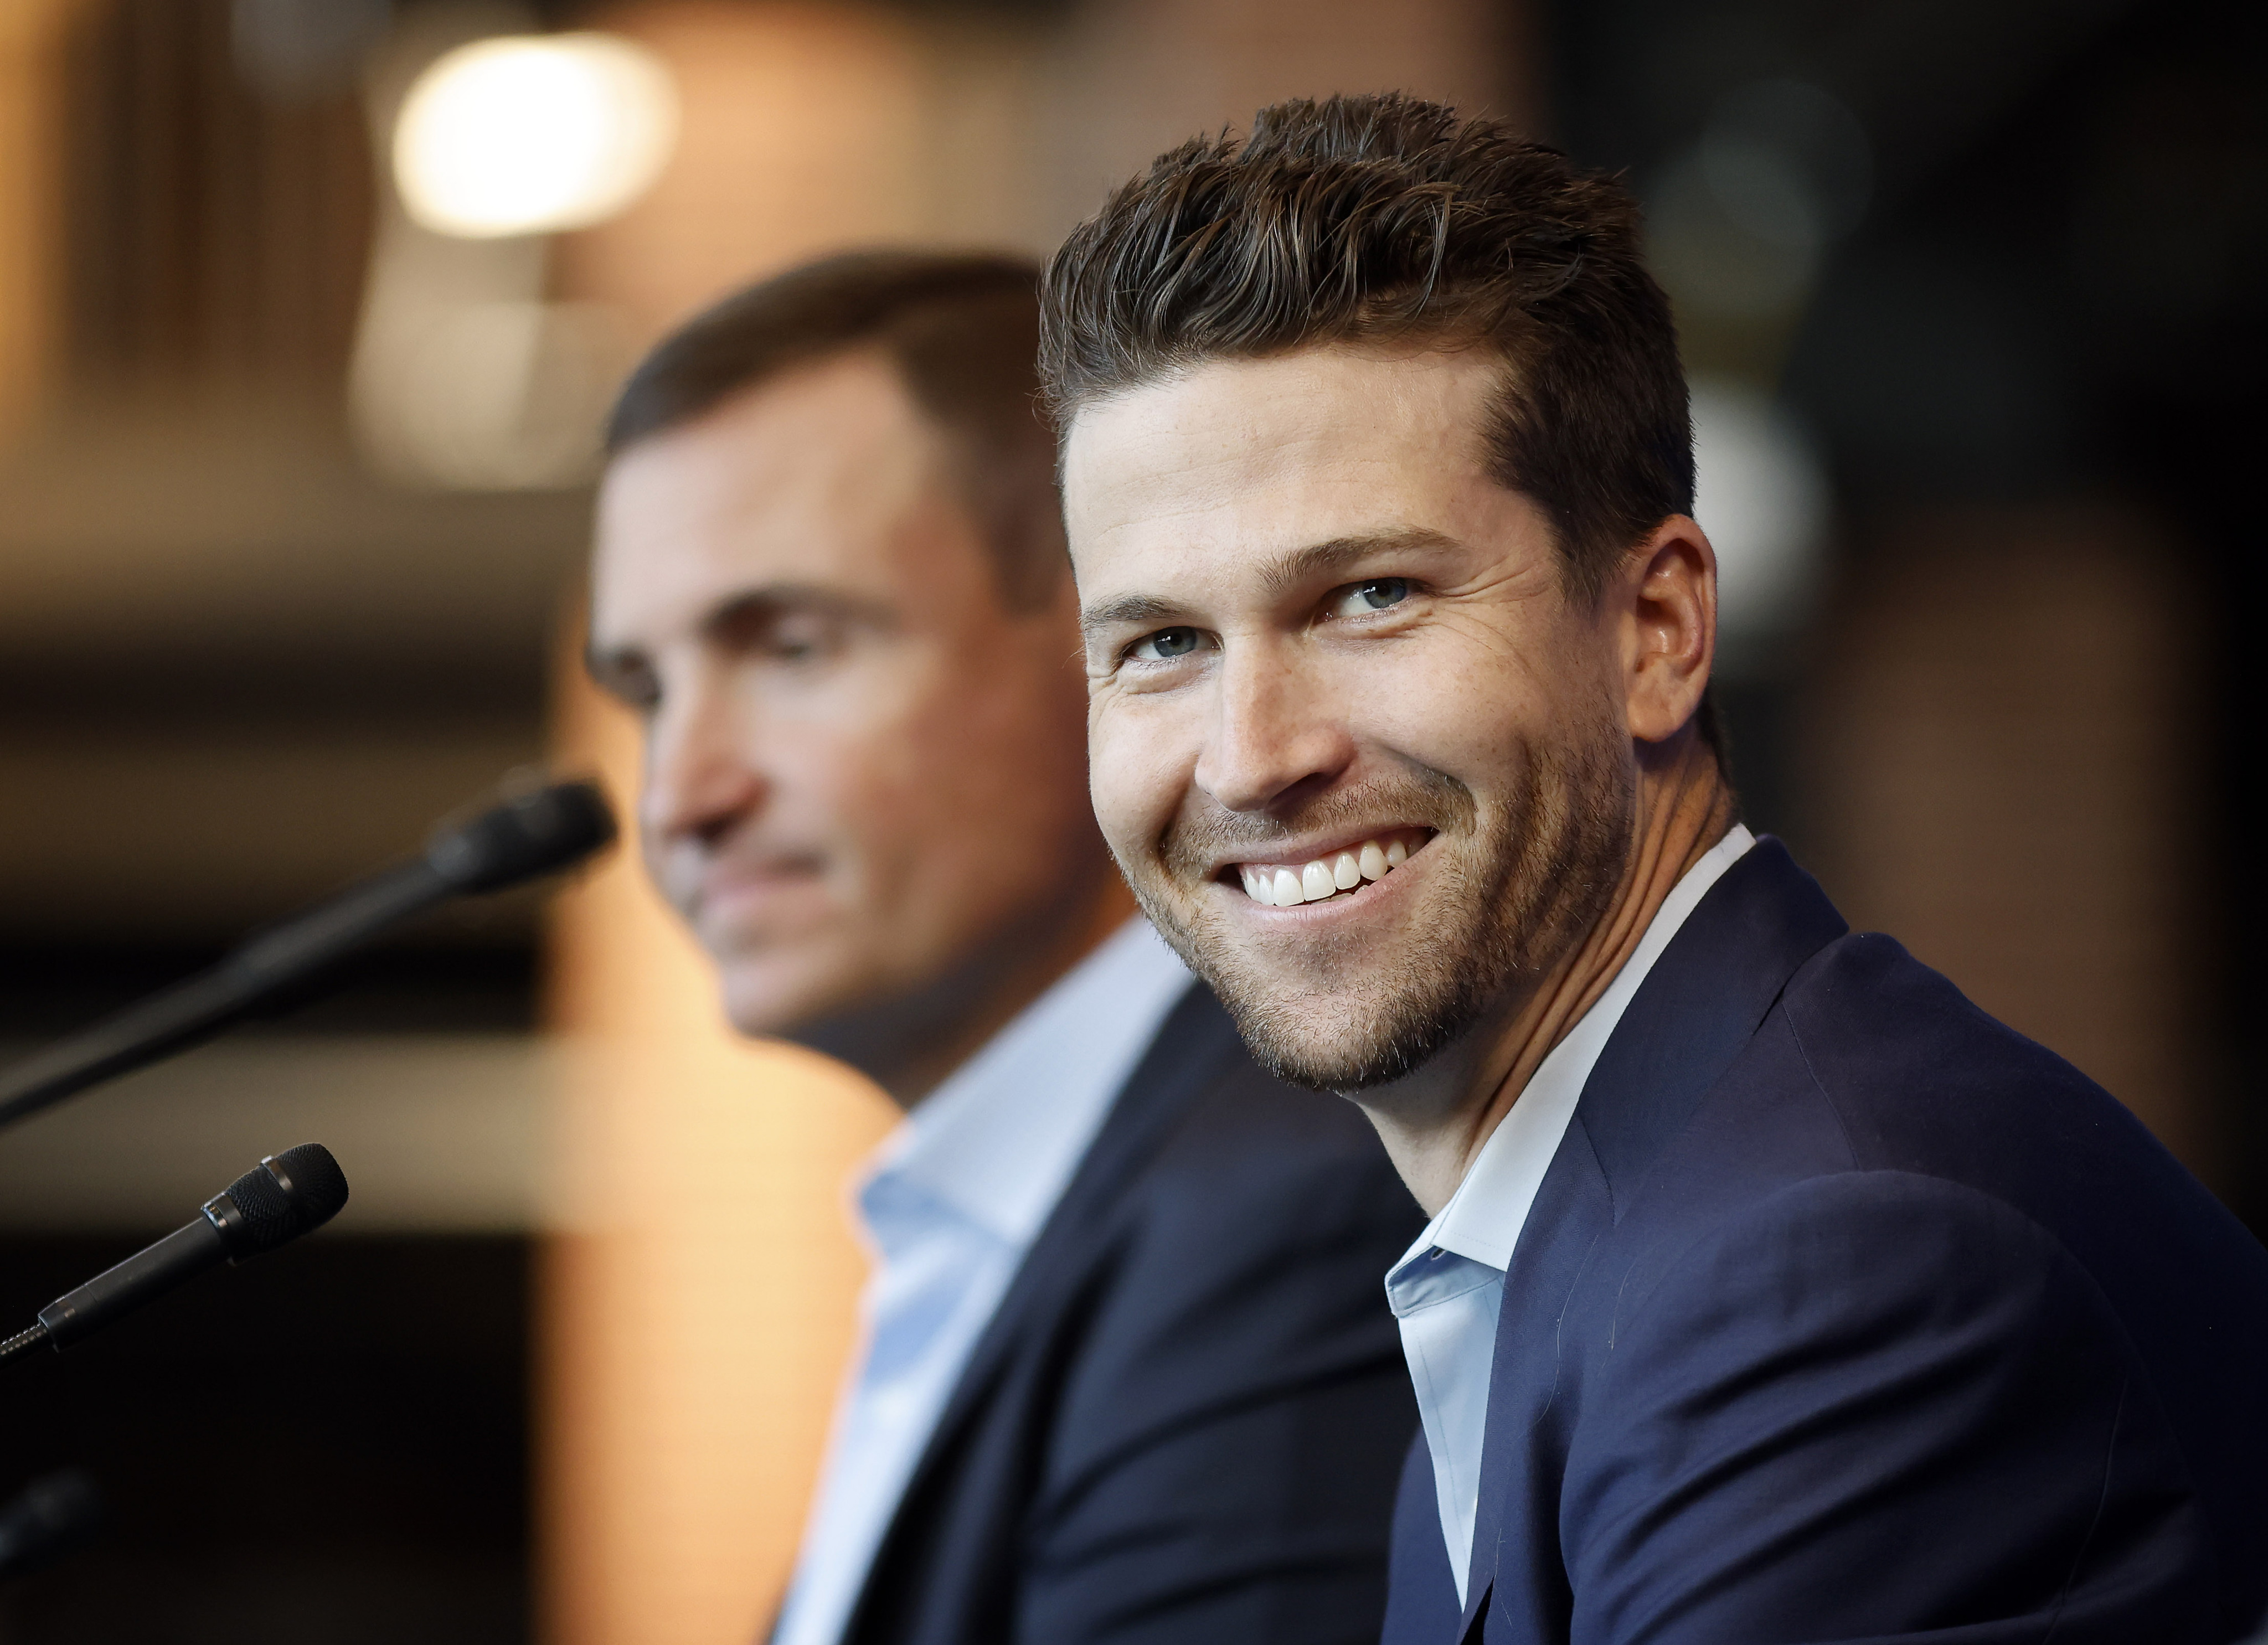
[[284, 1196], [535, 834]]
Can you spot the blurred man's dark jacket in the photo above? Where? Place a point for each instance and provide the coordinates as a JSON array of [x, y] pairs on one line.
[[1184, 1423], [1846, 1313]]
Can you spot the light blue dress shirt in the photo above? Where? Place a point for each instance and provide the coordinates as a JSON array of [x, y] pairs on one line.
[[1445, 1292], [948, 1206]]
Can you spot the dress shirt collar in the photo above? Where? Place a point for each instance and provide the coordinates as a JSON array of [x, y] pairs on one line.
[[1483, 1218], [1448, 1288], [951, 1203], [995, 1142]]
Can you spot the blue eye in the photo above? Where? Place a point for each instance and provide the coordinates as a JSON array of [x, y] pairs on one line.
[[1166, 645], [1382, 592]]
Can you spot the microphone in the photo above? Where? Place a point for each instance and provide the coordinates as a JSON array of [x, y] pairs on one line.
[[284, 1196], [535, 834]]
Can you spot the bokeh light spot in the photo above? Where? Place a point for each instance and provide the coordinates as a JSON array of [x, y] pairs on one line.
[[531, 134]]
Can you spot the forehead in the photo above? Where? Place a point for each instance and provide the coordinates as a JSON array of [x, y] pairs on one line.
[[820, 478], [1270, 455]]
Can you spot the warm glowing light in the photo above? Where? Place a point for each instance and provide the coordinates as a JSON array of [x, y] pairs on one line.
[[528, 134]]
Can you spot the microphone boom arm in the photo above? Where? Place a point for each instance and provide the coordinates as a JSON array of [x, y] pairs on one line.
[[535, 833], [192, 1012]]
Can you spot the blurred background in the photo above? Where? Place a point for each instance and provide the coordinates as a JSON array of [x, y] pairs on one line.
[[308, 309]]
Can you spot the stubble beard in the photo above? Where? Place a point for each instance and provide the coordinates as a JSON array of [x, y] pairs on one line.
[[1514, 893]]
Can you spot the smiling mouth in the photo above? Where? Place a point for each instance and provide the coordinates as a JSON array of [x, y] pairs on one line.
[[1339, 874], [764, 878]]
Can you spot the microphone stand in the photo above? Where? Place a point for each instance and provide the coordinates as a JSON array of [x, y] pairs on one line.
[[23, 1342], [536, 833], [178, 1017]]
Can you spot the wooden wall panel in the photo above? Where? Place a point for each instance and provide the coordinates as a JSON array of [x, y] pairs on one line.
[[31, 35]]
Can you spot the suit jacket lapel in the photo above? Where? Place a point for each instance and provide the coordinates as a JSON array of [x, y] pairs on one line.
[[1698, 1006], [1191, 1047], [1574, 1203], [1704, 999]]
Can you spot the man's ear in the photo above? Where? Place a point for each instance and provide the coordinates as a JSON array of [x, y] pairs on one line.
[[1666, 602]]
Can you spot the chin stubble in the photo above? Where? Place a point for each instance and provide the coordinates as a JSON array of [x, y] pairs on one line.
[[1533, 877]]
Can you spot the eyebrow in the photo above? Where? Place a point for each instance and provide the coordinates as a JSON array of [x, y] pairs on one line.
[[1301, 565], [1318, 559], [737, 611], [1127, 608]]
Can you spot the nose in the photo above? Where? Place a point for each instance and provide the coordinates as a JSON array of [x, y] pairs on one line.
[[702, 780], [1278, 738]]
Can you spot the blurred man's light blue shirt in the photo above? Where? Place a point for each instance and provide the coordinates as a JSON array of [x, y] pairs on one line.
[[950, 1203]]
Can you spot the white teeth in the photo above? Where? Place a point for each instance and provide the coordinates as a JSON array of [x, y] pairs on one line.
[[1313, 882]]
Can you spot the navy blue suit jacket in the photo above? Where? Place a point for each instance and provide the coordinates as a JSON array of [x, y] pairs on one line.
[[1184, 1424], [1846, 1313]]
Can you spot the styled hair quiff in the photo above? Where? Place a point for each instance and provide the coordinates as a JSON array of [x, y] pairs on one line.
[[1381, 219]]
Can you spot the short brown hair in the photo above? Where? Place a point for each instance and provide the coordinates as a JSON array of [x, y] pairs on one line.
[[962, 330], [1381, 219]]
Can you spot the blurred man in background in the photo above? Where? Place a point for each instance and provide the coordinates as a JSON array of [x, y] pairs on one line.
[[1773, 1292], [1126, 1372]]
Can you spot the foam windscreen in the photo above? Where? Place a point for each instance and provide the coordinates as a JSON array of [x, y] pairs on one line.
[[284, 1196], [535, 834]]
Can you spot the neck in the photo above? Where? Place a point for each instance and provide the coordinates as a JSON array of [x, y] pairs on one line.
[[910, 1044], [1434, 1133]]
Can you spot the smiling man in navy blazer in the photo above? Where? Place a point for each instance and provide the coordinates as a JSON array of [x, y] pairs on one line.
[[1772, 1292]]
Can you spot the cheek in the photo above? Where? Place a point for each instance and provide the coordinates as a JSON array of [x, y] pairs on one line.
[[860, 745], [1001, 736], [977, 787], [829, 785], [1468, 696], [838, 758], [1141, 756]]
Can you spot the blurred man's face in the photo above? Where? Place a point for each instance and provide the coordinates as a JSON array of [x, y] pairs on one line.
[[1366, 763], [863, 775]]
